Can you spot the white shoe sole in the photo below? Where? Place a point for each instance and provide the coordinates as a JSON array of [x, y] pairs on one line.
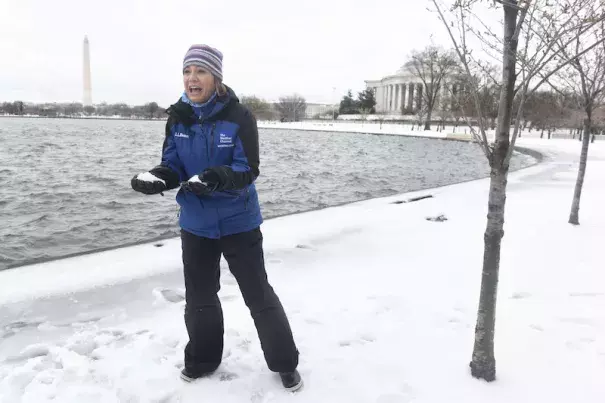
[[296, 387], [186, 378]]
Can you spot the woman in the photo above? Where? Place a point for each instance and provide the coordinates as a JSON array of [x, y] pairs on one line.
[[211, 151]]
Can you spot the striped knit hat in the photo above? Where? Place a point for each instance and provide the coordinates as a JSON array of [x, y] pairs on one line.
[[206, 57]]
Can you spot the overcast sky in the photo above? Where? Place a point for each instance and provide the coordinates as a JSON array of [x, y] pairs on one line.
[[271, 47]]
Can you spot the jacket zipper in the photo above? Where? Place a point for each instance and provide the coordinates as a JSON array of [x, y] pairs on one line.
[[212, 139]]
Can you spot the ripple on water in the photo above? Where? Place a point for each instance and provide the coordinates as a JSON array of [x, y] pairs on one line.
[[66, 183]]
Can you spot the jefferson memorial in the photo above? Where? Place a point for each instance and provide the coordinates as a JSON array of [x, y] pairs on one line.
[[402, 93]]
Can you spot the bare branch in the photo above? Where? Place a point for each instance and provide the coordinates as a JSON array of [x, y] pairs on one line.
[[521, 20], [565, 63], [541, 64], [462, 55]]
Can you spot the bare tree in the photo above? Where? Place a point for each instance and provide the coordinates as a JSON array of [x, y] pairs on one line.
[[546, 110], [529, 56], [292, 107], [584, 77], [259, 107], [432, 66], [599, 118], [152, 109]]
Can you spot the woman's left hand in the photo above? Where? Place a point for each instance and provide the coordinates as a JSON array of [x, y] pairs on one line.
[[198, 186]]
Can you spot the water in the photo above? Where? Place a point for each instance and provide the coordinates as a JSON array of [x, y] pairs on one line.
[[66, 183]]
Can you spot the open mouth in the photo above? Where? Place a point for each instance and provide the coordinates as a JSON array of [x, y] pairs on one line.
[[195, 90]]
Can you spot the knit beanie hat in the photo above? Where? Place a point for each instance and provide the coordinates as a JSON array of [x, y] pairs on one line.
[[206, 57]]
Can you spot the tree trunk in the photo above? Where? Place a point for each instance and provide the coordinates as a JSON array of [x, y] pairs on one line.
[[483, 364], [427, 123], [574, 215]]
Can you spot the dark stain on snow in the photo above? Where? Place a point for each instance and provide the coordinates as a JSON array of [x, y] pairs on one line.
[[413, 199]]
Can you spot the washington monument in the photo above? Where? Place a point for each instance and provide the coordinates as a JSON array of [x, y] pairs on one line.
[[87, 86]]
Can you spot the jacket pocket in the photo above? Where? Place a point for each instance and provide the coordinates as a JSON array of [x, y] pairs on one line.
[[194, 213]]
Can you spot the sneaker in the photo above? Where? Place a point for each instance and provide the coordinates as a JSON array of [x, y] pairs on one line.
[[189, 376], [291, 380]]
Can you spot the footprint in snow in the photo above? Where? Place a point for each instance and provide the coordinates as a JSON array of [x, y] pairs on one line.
[[29, 352], [578, 344], [227, 354], [227, 376], [229, 280], [230, 297], [586, 294], [15, 327], [394, 398], [520, 295], [244, 344], [83, 347], [363, 339], [169, 295], [86, 319], [578, 321], [231, 332]]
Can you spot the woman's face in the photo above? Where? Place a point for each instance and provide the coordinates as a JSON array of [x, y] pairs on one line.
[[199, 83]]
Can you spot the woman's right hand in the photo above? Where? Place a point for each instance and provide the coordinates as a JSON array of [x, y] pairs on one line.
[[148, 184]]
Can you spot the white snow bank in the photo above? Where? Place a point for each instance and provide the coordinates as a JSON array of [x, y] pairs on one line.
[[382, 303], [459, 132], [354, 127]]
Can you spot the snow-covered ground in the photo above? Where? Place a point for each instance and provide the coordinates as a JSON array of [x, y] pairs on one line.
[[381, 300], [357, 127], [460, 132]]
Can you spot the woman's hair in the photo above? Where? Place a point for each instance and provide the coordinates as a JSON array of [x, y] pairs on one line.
[[221, 90]]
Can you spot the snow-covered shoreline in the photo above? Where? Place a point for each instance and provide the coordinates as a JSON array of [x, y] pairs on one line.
[[382, 303], [460, 132]]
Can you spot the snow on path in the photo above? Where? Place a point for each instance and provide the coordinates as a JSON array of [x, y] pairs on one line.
[[382, 303]]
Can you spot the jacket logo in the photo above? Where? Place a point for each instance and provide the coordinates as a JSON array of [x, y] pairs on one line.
[[225, 141], [181, 135]]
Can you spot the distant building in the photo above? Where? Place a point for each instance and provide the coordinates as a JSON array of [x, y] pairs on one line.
[[402, 92], [314, 110]]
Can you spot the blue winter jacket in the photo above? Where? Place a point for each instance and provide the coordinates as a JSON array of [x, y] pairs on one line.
[[224, 133]]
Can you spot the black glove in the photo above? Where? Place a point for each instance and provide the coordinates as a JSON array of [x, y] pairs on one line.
[[199, 188], [147, 187], [217, 177]]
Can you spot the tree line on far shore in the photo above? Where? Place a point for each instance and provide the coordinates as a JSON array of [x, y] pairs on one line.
[[149, 110], [288, 108]]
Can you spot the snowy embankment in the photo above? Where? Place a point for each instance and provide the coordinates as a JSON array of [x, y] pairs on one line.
[[460, 132], [382, 303], [356, 127]]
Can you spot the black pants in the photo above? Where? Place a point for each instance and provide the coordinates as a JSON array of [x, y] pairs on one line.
[[203, 313]]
